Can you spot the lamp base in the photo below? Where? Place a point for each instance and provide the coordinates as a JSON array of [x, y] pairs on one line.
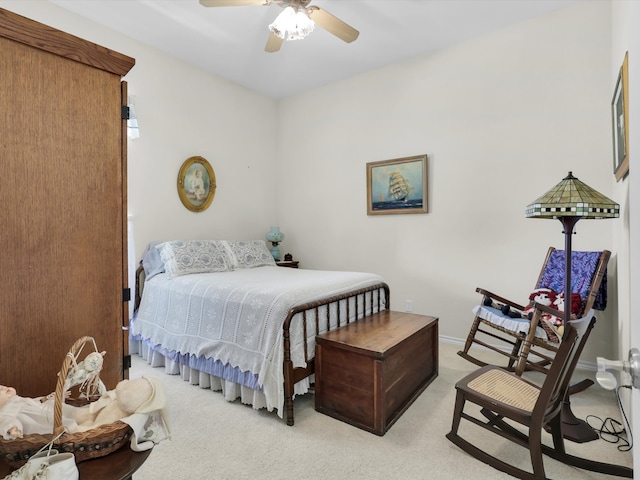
[[275, 252], [573, 428]]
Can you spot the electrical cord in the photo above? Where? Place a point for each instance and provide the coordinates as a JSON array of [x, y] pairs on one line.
[[611, 430]]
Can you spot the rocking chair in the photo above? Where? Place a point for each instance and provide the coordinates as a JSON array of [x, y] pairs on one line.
[[503, 395], [531, 347]]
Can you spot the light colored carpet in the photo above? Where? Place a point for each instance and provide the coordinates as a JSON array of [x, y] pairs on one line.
[[213, 438]]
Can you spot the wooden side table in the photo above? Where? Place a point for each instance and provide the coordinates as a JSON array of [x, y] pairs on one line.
[[289, 263], [119, 465]]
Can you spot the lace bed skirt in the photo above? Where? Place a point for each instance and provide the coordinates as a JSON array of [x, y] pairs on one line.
[[209, 373]]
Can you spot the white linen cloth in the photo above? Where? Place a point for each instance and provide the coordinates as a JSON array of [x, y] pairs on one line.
[[236, 317], [496, 317], [150, 421]]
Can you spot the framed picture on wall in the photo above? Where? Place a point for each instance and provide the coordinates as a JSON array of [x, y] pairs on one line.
[[620, 122], [397, 186], [196, 184]]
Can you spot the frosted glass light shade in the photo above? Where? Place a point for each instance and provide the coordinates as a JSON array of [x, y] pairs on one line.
[[292, 24], [275, 235]]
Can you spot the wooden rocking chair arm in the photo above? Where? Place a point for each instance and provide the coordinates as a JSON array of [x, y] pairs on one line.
[[499, 299], [545, 309]]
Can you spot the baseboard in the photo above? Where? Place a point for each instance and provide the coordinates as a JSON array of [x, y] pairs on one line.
[[589, 366]]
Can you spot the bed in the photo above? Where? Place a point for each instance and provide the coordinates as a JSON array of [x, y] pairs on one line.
[[223, 315]]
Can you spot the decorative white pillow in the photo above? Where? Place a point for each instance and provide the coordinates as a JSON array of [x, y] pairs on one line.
[[184, 257], [251, 253]]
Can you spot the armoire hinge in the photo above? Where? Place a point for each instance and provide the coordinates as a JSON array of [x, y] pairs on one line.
[[125, 112], [126, 362], [126, 294]]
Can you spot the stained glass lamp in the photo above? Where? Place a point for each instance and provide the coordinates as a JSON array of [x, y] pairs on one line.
[[569, 201]]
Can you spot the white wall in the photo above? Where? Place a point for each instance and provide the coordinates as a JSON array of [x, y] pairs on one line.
[[621, 41], [626, 37], [503, 118], [183, 111], [620, 45]]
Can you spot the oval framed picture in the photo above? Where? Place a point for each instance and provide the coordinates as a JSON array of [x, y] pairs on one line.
[[196, 184]]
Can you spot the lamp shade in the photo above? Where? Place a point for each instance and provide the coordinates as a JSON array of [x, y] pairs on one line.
[[275, 235], [573, 198]]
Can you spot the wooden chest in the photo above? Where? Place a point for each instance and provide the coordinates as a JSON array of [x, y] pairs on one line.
[[369, 372]]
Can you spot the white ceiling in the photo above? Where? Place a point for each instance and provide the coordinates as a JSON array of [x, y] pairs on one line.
[[229, 41]]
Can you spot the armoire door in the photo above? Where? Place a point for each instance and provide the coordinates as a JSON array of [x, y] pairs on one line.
[[63, 264]]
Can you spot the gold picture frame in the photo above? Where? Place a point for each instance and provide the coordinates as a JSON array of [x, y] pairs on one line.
[[397, 186], [196, 184], [620, 122]]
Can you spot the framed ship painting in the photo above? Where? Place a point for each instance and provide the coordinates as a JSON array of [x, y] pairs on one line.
[[397, 186]]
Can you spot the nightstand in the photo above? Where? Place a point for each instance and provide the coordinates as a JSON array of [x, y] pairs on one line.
[[289, 263]]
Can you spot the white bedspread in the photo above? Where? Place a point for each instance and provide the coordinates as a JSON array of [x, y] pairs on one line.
[[236, 317]]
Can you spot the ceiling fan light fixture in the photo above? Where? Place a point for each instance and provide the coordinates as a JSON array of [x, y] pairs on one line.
[[292, 24]]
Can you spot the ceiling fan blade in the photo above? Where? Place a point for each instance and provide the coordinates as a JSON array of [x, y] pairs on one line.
[[332, 24], [274, 42], [232, 3]]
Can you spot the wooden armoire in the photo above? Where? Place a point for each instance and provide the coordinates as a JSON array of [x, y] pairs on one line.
[[63, 234]]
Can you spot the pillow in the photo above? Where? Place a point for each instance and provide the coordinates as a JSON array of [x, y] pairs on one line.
[[151, 261], [184, 257], [251, 253]]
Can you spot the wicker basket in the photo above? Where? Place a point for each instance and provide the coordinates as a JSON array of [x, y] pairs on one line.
[[94, 443]]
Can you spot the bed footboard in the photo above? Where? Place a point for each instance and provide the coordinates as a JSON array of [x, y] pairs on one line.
[[137, 294], [316, 317]]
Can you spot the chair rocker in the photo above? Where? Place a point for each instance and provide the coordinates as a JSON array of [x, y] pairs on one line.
[[502, 395], [525, 343]]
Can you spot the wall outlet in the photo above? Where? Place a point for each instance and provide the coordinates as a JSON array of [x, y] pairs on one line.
[[408, 305]]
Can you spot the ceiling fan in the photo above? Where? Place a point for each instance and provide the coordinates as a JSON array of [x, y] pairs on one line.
[[301, 25]]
